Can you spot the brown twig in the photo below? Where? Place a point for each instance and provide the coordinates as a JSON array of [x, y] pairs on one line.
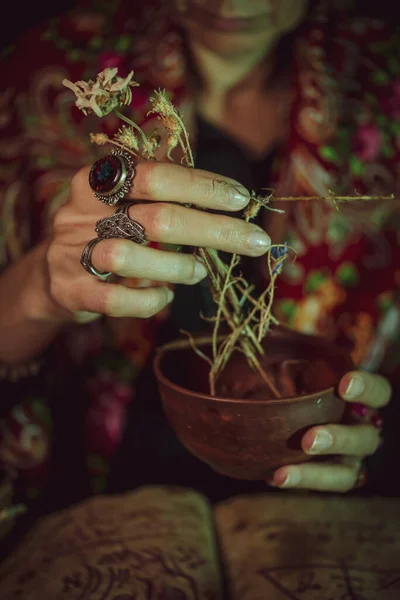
[[193, 345], [333, 197]]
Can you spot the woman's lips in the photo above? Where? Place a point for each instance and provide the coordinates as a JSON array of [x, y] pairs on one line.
[[212, 21], [230, 24]]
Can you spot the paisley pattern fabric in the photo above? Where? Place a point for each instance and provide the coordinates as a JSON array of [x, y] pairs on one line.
[[344, 136]]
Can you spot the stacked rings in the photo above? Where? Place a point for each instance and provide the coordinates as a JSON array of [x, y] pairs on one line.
[[111, 178]]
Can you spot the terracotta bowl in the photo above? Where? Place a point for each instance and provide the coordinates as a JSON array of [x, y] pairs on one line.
[[249, 438]]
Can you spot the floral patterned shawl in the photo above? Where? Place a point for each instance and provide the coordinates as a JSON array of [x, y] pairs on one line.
[[344, 136]]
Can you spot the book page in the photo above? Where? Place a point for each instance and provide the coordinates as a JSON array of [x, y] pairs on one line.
[[156, 543], [311, 547]]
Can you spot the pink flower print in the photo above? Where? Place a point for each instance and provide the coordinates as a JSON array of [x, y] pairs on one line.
[[107, 381], [106, 424], [109, 398], [367, 143], [123, 393]]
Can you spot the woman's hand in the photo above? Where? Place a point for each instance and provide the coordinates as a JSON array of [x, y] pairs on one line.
[[165, 187], [352, 442]]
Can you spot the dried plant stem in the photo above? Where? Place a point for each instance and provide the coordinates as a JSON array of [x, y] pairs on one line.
[[250, 298], [196, 350], [227, 283], [267, 380], [140, 131], [190, 159], [184, 150], [123, 147], [248, 343], [231, 292], [252, 356], [332, 197], [263, 323], [225, 295], [241, 331]]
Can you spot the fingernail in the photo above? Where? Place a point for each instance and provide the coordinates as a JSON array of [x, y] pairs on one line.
[[355, 387], [322, 441], [288, 479], [360, 410], [259, 240], [239, 196], [199, 270], [170, 295]]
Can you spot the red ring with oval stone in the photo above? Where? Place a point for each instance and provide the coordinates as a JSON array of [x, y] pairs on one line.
[[111, 176]]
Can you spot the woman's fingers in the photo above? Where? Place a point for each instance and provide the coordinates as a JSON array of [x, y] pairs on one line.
[[166, 185], [353, 440], [115, 300], [166, 182], [349, 442], [365, 388], [318, 476], [158, 188], [127, 259], [172, 224]]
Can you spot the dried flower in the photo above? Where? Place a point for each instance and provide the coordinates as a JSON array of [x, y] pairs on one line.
[[161, 104], [127, 137], [279, 254], [154, 141], [252, 209], [104, 94], [170, 118], [99, 138], [172, 142], [278, 251]]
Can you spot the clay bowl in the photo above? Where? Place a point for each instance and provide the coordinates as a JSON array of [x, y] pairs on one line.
[[249, 438]]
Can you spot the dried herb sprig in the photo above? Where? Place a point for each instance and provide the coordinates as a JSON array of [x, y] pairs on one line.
[[230, 291]]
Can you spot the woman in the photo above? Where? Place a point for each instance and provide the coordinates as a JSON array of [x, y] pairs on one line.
[[283, 95]]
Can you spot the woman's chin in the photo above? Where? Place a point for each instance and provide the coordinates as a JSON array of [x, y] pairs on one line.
[[227, 44]]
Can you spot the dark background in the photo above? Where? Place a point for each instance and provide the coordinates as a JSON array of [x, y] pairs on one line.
[[17, 17]]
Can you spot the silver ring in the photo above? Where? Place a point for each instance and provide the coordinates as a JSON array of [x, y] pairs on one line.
[[111, 177], [120, 225], [86, 260]]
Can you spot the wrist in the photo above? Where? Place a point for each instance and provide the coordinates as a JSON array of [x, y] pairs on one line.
[[29, 318]]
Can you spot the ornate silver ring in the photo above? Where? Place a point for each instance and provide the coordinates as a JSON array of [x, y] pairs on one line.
[[86, 260], [120, 225], [111, 177]]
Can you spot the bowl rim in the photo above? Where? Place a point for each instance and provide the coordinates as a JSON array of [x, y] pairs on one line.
[[280, 331], [223, 400]]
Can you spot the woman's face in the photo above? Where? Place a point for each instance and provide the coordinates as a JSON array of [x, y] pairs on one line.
[[231, 27]]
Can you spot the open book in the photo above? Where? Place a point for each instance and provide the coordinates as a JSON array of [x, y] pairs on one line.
[[168, 544]]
